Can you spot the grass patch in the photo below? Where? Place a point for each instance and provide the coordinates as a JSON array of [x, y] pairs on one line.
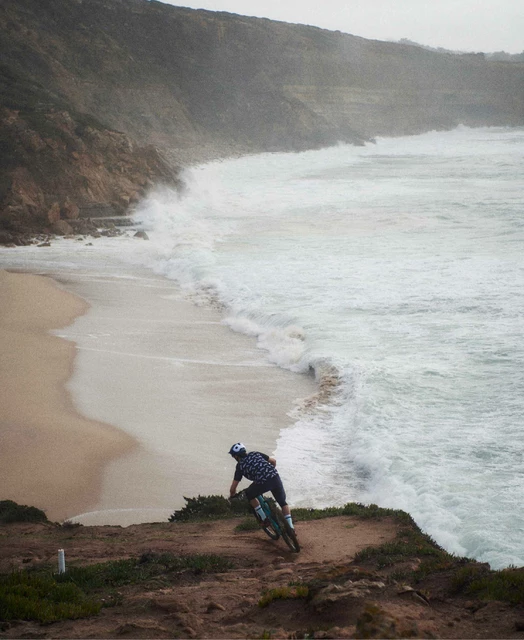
[[249, 524], [371, 511], [410, 543], [133, 571], [506, 585], [26, 596], [283, 593], [12, 512], [82, 591]]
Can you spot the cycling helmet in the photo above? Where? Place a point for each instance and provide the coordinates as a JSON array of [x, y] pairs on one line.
[[237, 449]]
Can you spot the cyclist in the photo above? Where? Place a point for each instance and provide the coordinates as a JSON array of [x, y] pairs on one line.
[[261, 470]]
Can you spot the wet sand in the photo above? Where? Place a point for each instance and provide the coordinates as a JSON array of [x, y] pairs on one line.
[[167, 374], [50, 456]]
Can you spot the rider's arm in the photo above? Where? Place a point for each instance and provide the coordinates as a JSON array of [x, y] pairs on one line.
[[233, 488]]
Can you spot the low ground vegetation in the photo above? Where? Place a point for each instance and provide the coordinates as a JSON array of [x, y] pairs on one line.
[[411, 564], [44, 596]]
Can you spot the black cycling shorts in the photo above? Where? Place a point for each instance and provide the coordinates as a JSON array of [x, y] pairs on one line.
[[273, 484]]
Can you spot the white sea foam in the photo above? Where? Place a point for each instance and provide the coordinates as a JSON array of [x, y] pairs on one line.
[[398, 264]]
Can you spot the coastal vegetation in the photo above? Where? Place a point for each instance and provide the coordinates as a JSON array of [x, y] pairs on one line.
[[11, 511], [408, 570], [42, 595], [216, 506]]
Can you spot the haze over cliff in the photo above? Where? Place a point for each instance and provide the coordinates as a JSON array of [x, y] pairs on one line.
[[101, 99]]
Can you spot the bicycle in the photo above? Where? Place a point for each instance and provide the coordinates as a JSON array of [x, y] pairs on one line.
[[278, 526]]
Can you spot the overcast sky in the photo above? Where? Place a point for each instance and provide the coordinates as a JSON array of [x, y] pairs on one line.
[[465, 25]]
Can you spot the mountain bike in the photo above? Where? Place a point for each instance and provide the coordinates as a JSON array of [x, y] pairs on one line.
[[278, 527]]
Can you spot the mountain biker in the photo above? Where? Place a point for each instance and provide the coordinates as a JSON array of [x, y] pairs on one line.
[[261, 470]]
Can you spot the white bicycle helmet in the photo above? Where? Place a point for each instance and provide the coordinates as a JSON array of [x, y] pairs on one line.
[[237, 449]]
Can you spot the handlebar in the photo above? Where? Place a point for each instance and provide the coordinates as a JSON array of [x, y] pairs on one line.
[[238, 496]]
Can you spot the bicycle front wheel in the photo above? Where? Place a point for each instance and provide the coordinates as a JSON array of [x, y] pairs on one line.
[[272, 533], [289, 536], [286, 531]]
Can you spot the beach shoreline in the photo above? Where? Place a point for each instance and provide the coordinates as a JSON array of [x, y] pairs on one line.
[[51, 456], [164, 386]]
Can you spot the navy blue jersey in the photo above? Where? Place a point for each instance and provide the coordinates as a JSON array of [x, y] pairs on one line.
[[255, 467]]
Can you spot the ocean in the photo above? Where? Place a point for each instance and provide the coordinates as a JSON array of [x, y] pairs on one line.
[[394, 274]]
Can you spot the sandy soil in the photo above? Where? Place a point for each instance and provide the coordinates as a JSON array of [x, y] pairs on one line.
[[50, 455]]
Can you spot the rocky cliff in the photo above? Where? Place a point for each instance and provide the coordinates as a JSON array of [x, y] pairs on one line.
[[90, 91]]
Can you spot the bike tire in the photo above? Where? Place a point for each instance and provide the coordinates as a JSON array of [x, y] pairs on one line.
[[290, 537], [274, 535], [287, 533]]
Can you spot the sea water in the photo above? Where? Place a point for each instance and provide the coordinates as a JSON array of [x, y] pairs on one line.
[[394, 273]]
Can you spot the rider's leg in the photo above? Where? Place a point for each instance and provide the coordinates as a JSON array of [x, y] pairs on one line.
[[287, 515], [258, 509], [280, 496], [252, 491]]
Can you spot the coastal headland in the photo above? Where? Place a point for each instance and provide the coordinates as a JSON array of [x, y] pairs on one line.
[[94, 112], [361, 573]]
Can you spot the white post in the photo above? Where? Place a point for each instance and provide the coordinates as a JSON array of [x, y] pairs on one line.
[[61, 561]]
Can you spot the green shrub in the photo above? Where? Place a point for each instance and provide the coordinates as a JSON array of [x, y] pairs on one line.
[[353, 509], [30, 596], [249, 524], [12, 512], [464, 576], [215, 507], [209, 508], [506, 585], [82, 591], [408, 544], [283, 593]]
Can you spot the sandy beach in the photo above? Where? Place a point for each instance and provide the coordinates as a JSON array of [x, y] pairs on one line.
[[51, 456], [134, 401]]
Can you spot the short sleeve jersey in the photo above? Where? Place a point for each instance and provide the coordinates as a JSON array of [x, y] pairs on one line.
[[255, 467]]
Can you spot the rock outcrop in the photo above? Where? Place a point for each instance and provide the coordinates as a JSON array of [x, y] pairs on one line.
[[58, 167], [90, 91]]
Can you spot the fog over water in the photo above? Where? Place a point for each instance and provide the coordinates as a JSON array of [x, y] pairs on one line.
[[394, 273], [462, 25]]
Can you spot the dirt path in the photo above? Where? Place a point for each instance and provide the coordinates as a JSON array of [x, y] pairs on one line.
[[333, 540]]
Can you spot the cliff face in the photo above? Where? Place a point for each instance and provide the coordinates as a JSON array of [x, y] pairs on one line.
[[196, 84], [57, 166]]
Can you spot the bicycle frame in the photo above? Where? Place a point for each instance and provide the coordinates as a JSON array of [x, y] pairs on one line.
[[265, 507], [277, 527]]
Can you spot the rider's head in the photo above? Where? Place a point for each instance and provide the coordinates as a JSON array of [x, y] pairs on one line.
[[238, 451]]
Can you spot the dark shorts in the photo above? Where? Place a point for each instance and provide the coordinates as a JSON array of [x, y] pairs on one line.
[[274, 485]]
